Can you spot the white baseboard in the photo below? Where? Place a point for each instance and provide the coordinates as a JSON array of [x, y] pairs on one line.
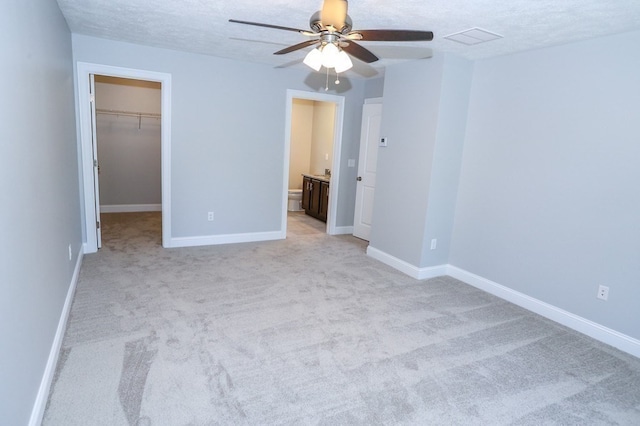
[[129, 208], [50, 369], [210, 240], [592, 329], [582, 325], [407, 268]]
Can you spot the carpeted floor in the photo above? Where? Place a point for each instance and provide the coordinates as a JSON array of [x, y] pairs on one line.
[[309, 330]]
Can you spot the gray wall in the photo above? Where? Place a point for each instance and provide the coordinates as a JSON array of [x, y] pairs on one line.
[[447, 159], [411, 99], [549, 203], [374, 88], [424, 115], [39, 195], [128, 147], [228, 127]]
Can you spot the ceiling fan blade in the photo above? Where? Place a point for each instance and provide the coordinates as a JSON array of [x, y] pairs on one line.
[[277, 27], [359, 52], [334, 14], [296, 47], [394, 35]]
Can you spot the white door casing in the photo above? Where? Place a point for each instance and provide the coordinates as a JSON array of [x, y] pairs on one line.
[[367, 164], [94, 151], [91, 197]]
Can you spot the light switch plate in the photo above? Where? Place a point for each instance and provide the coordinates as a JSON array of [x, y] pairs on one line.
[[383, 142]]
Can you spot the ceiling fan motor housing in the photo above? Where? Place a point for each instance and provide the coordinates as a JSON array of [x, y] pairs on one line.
[[315, 23]]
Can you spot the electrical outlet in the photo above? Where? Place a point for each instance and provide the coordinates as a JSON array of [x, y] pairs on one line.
[[603, 292], [70, 253], [210, 216], [434, 243]]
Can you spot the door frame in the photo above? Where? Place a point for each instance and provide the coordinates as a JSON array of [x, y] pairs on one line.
[[335, 162], [83, 112]]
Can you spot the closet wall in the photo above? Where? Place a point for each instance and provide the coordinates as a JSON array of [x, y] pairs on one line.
[[129, 150]]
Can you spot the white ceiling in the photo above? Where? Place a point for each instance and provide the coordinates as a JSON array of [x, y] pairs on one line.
[[201, 26]]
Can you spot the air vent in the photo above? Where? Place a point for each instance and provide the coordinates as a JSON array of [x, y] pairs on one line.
[[473, 36]]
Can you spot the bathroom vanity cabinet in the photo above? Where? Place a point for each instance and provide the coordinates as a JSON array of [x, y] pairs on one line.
[[315, 196]]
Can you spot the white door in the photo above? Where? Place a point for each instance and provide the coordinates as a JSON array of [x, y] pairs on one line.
[[94, 144], [367, 162]]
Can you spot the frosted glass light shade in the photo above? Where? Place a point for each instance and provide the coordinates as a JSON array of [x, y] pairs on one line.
[[313, 59], [329, 55], [343, 62]]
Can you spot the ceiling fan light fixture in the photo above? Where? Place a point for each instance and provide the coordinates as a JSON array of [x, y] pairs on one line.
[[313, 59], [343, 62], [330, 54]]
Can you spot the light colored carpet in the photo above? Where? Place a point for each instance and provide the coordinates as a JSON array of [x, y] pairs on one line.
[[309, 330]]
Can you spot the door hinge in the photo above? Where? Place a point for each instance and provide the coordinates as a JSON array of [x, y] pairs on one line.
[[92, 98], [95, 163], [98, 225]]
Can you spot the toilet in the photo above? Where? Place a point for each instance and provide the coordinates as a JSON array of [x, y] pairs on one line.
[[295, 200]]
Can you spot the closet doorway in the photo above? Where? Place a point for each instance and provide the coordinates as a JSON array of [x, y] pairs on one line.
[[128, 133], [121, 113]]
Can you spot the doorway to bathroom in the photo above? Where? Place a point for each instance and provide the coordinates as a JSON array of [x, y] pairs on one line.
[[312, 148]]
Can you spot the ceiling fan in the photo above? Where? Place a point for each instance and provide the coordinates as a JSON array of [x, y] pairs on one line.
[[332, 32]]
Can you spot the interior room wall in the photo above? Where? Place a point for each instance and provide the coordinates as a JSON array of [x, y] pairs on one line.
[[39, 194], [425, 107], [548, 203], [324, 117], [447, 160], [228, 129], [374, 87], [128, 146], [300, 149]]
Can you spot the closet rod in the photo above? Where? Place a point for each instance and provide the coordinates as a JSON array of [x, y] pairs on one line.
[[128, 113]]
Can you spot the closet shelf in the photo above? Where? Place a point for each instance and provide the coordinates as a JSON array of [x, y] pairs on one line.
[[128, 113]]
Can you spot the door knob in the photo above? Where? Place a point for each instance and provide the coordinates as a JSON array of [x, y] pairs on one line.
[[359, 178]]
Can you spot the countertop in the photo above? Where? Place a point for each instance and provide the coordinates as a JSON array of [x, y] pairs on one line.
[[324, 178]]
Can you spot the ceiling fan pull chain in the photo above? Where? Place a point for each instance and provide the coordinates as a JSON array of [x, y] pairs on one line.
[[337, 78], [326, 87]]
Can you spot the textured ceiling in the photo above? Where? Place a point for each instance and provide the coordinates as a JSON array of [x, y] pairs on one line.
[[201, 26]]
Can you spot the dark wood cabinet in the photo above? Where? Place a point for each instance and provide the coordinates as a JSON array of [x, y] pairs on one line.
[[315, 197], [306, 193], [324, 201]]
